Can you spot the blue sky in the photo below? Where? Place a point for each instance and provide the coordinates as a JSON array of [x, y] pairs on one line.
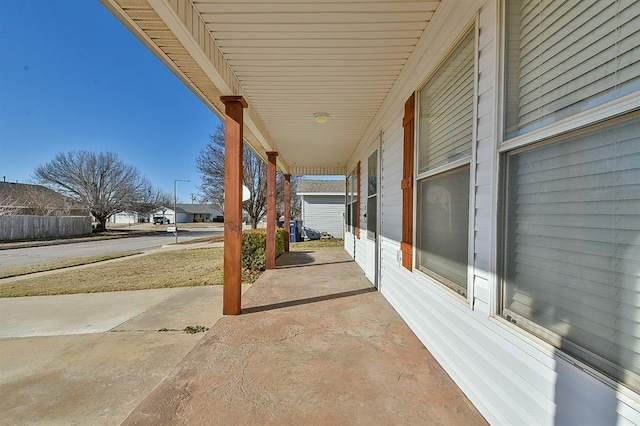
[[73, 77]]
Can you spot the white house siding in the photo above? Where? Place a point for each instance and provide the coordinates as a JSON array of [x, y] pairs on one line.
[[511, 376], [352, 244], [349, 243], [361, 249], [184, 217], [324, 213], [124, 218]]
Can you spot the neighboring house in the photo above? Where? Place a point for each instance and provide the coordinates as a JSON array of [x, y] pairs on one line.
[[28, 199], [322, 203], [198, 213], [493, 155], [163, 212], [128, 217], [188, 213], [33, 212]]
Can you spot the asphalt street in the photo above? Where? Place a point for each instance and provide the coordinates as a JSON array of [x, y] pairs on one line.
[[32, 255]]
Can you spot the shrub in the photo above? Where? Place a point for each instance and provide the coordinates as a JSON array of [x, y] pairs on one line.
[[254, 248]]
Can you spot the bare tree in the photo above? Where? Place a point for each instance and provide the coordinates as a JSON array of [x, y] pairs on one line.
[[294, 199], [151, 199], [41, 201], [8, 205], [100, 181], [210, 163]]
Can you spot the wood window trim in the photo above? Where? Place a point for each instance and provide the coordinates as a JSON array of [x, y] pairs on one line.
[[408, 123]]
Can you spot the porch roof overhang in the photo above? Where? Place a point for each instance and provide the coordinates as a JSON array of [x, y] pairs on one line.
[[289, 59]]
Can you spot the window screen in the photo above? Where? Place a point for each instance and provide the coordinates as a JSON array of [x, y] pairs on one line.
[[443, 217], [572, 244]]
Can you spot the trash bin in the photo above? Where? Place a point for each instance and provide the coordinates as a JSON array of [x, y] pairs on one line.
[[295, 231]]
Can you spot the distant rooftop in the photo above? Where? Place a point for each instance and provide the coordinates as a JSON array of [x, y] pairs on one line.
[[26, 198], [197, 209], [321, 187]]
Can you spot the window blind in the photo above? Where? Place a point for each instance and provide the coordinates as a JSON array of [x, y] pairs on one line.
[[446, 109], [443, 235], [570, 56], [572, 244]]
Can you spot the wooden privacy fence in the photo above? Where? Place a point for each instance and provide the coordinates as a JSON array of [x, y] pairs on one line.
[[23, 227]]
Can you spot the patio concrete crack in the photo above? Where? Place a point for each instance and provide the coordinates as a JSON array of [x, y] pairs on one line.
[[244, 370], [293, 336]]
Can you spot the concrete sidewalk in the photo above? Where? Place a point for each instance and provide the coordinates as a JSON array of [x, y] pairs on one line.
[[316, 344], [92, 358]]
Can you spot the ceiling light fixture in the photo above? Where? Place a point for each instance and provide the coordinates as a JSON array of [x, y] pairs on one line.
[[321, 117]]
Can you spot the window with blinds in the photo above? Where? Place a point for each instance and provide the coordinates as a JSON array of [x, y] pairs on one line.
[[372, 196], [446, 109], [565, 57], [444, 154], [443, 227], [352, 203], [572, 244]]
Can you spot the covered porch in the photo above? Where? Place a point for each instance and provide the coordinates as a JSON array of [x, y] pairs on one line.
[[448, 119], [298, 82], [316, 344]]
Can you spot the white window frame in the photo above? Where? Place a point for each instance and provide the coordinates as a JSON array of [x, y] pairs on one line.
[[470, 160], [580, 122], [350, 199]]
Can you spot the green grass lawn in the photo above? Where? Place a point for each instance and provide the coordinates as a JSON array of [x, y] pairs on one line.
[[177, 268], [60, 264], [180, 268], [317, 245]]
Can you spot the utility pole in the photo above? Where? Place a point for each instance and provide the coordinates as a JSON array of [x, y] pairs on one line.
[[175, 202]]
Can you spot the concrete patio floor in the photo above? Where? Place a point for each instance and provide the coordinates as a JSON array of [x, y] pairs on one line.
[[316, 344]]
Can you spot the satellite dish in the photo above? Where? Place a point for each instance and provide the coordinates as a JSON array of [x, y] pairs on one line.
[[246, 194]]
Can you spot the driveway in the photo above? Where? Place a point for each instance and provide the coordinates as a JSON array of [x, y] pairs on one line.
[[92, 358]]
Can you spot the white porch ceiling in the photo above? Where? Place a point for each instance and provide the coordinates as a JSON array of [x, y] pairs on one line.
[[289, 59]]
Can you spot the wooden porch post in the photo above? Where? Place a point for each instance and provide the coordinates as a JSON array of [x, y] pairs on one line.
[[271, 209], [232, 290], [287, 209]]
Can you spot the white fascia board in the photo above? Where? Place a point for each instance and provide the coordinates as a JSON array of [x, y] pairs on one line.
[[175, 24], [179, 30]]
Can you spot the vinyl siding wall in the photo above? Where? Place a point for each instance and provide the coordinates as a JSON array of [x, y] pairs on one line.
[[511, 376], [324, 213], [124, 218]]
